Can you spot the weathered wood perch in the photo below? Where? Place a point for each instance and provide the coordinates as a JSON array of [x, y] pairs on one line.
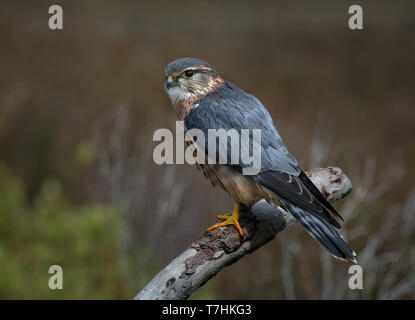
[[223, 246]]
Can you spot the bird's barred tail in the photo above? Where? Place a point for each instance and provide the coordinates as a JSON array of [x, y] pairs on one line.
[[323, 233]]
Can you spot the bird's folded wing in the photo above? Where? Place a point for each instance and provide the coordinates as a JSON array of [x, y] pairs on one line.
[[231, 108], [291, 188]]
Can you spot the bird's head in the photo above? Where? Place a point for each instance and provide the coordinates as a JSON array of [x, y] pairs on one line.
[[188, 78]]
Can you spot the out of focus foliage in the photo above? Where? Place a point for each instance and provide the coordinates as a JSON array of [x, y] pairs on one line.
[[84, 240]]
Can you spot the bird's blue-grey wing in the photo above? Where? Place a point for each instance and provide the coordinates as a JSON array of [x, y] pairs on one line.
[[238, 110]]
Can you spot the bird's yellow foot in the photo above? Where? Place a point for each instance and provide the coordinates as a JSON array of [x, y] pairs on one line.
[[232, 219]]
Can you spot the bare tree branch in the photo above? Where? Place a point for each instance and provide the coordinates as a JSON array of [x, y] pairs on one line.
[[223, 246]]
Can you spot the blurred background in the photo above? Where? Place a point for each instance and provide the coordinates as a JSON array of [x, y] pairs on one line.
[[78, 107]]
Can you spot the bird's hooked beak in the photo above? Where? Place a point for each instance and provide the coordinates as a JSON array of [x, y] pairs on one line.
[[171, 82]]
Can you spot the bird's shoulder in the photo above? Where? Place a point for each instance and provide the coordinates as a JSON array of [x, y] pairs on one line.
[[229, 107], [231, 96]]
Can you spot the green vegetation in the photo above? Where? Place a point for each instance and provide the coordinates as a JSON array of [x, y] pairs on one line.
[[84, 240]]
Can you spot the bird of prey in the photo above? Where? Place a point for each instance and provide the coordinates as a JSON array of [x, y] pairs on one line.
[[204, 100]]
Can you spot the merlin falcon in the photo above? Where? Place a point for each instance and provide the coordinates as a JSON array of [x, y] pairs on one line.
[[204, 100]]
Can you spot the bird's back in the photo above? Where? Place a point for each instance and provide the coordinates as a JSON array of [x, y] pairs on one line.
[[228, 108]]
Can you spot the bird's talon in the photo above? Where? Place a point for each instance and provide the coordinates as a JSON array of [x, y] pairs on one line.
[[229, 220]]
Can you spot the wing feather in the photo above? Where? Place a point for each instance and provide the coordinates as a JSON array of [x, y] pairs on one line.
[[292, 189]]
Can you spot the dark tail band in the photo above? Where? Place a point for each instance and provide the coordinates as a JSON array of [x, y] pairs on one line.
[[323, 233]]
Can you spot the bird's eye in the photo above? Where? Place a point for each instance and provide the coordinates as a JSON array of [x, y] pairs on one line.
[[189, 73]]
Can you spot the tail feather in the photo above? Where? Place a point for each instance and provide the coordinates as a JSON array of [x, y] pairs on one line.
[[323, 233]]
